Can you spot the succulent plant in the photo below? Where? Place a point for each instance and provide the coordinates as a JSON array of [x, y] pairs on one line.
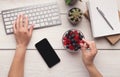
[[75, 16]]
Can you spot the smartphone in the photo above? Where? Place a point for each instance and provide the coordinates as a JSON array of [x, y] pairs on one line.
[[47, 52]]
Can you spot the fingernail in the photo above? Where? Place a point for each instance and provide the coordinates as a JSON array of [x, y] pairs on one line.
[[81, 44], [30, 26], [19, 15]]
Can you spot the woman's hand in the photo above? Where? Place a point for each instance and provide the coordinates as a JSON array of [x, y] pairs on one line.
[[88, 55], [22, 31]]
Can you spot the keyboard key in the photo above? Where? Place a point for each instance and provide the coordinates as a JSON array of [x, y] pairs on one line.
[[53, 18], [50, 7], [27, 11], [9, 26], [56, 10], [42, 16], [50, 23], [6, 19], [4, 16], [54, 22], [11, 30], [16, 14], [58, 22], [15, 18], [46, 8], [45, 12], [46, 23], [38, 9], [34, 22], [8, 30], [41, 13], [33, 14], [37, 13], [31, 18], [12, 14], [7, 23], [30, 22], [11, 18], [13, 22], [35, 18], [34, 10], [55, 14], [49, 19], [29, 15], [45, 19], [39, 17], [37, 26], [42, 8], [42, 24], [38, 21]]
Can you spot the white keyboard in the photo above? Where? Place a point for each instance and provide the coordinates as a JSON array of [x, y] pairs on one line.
[[45, 15]]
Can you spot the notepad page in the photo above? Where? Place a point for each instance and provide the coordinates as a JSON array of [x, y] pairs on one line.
[[99, 26]]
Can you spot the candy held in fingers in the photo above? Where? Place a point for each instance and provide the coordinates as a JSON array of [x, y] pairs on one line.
[[82, 42], [87, 46]]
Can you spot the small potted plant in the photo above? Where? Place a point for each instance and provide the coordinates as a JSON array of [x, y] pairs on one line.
[[75, 16], [71, 2]]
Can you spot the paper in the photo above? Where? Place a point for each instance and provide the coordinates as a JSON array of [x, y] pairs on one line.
[[99, 26]]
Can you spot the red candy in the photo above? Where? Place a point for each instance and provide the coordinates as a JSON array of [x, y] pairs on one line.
[[77, 38], [65, 43], [81, 41], [65, 38], [71, 47], [75, 32]]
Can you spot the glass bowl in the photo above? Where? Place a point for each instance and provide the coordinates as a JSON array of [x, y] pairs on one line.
[[71, 40]]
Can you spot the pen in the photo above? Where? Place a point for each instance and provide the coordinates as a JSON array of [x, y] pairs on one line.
[[102, 14]]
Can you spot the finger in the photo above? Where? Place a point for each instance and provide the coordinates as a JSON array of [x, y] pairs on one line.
[[18, 22], [93, 44], [14, 27], [26, 22], [83, 47], [86, 41], [89, 44], [21, 20], [94, 47], [31, 29]]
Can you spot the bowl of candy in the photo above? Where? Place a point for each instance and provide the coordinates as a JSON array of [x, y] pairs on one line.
[[75, 16], [71, 40]]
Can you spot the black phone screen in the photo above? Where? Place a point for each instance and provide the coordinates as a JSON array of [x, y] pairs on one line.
[[47, 52]]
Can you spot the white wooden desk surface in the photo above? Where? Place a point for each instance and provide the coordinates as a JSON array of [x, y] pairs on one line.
[[107, 59]]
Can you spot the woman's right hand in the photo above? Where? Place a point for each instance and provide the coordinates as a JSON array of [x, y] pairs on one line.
[[88, 55]]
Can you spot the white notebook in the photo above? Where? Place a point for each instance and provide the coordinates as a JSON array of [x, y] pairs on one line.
[[99, 26]]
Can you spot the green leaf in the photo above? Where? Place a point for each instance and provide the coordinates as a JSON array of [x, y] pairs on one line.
[[81, 0], [68, 2]]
